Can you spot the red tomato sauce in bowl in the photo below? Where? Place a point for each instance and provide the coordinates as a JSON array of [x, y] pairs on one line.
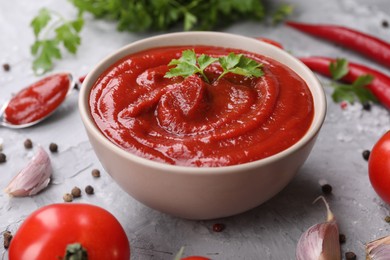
[[186, 121]]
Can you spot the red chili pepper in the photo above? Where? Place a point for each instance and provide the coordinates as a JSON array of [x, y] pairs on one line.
[[270, 41], [363, 43], [380, 86], [81, 79]]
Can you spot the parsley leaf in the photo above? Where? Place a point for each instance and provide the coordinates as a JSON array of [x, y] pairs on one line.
[[241, 65], [188, 64], [68, 35], [46, 51], [350, 92], [40, 21], [64, 33], [339, 68]]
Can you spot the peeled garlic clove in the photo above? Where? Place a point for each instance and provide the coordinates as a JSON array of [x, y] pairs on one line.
[[378, 249], [320, 241], [33, 178]]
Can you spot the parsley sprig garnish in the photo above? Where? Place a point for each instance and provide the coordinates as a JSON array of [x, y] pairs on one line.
[[350, 92], [189, 64], [52, 33]]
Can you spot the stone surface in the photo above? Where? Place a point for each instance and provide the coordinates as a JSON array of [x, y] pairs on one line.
[[270, 231]]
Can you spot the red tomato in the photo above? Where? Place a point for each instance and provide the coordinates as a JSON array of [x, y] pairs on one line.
[[379, 167], [46, 233]]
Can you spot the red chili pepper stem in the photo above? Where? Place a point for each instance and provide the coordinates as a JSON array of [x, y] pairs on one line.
[[380, 86], [360, 42]]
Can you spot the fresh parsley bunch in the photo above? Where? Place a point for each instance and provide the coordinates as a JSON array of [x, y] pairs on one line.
[[55, 34], [157, 15]]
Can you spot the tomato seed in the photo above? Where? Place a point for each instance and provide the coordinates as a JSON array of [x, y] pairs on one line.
[[28, 144], [7, 238], [76, 192], [89, 190], [53, 148], [342, 238], [350, 256], [3, 158], [218, 227], [387, 219], [68, 197], [326, 189], [96, 173], [366, 154]]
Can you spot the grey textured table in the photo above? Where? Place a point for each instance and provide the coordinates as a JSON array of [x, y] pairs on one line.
[[270, 231]]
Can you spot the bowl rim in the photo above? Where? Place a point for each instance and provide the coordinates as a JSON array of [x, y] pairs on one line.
[[163, 40]]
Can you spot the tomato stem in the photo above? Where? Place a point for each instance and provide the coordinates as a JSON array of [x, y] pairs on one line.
[[75, 252]]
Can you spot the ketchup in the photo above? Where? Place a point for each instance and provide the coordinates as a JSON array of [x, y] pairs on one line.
[[187, 121], [37, 100]]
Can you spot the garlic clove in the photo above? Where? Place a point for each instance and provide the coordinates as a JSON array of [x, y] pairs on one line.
[[320, 241], [33, 178], [378, 249]]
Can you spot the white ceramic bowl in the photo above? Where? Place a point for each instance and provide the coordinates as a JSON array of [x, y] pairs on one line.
[[203, 193]]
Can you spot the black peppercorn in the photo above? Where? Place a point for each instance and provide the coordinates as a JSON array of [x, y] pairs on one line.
[[7, 238], [3, 158], [385, 23], [28, 144], [366, 154], [6, 67], [76, 192], [350, 256], [342, 238], [96, 173], [326, 188], [367, 106], [68, 197], [53, 148], [89, 190]]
